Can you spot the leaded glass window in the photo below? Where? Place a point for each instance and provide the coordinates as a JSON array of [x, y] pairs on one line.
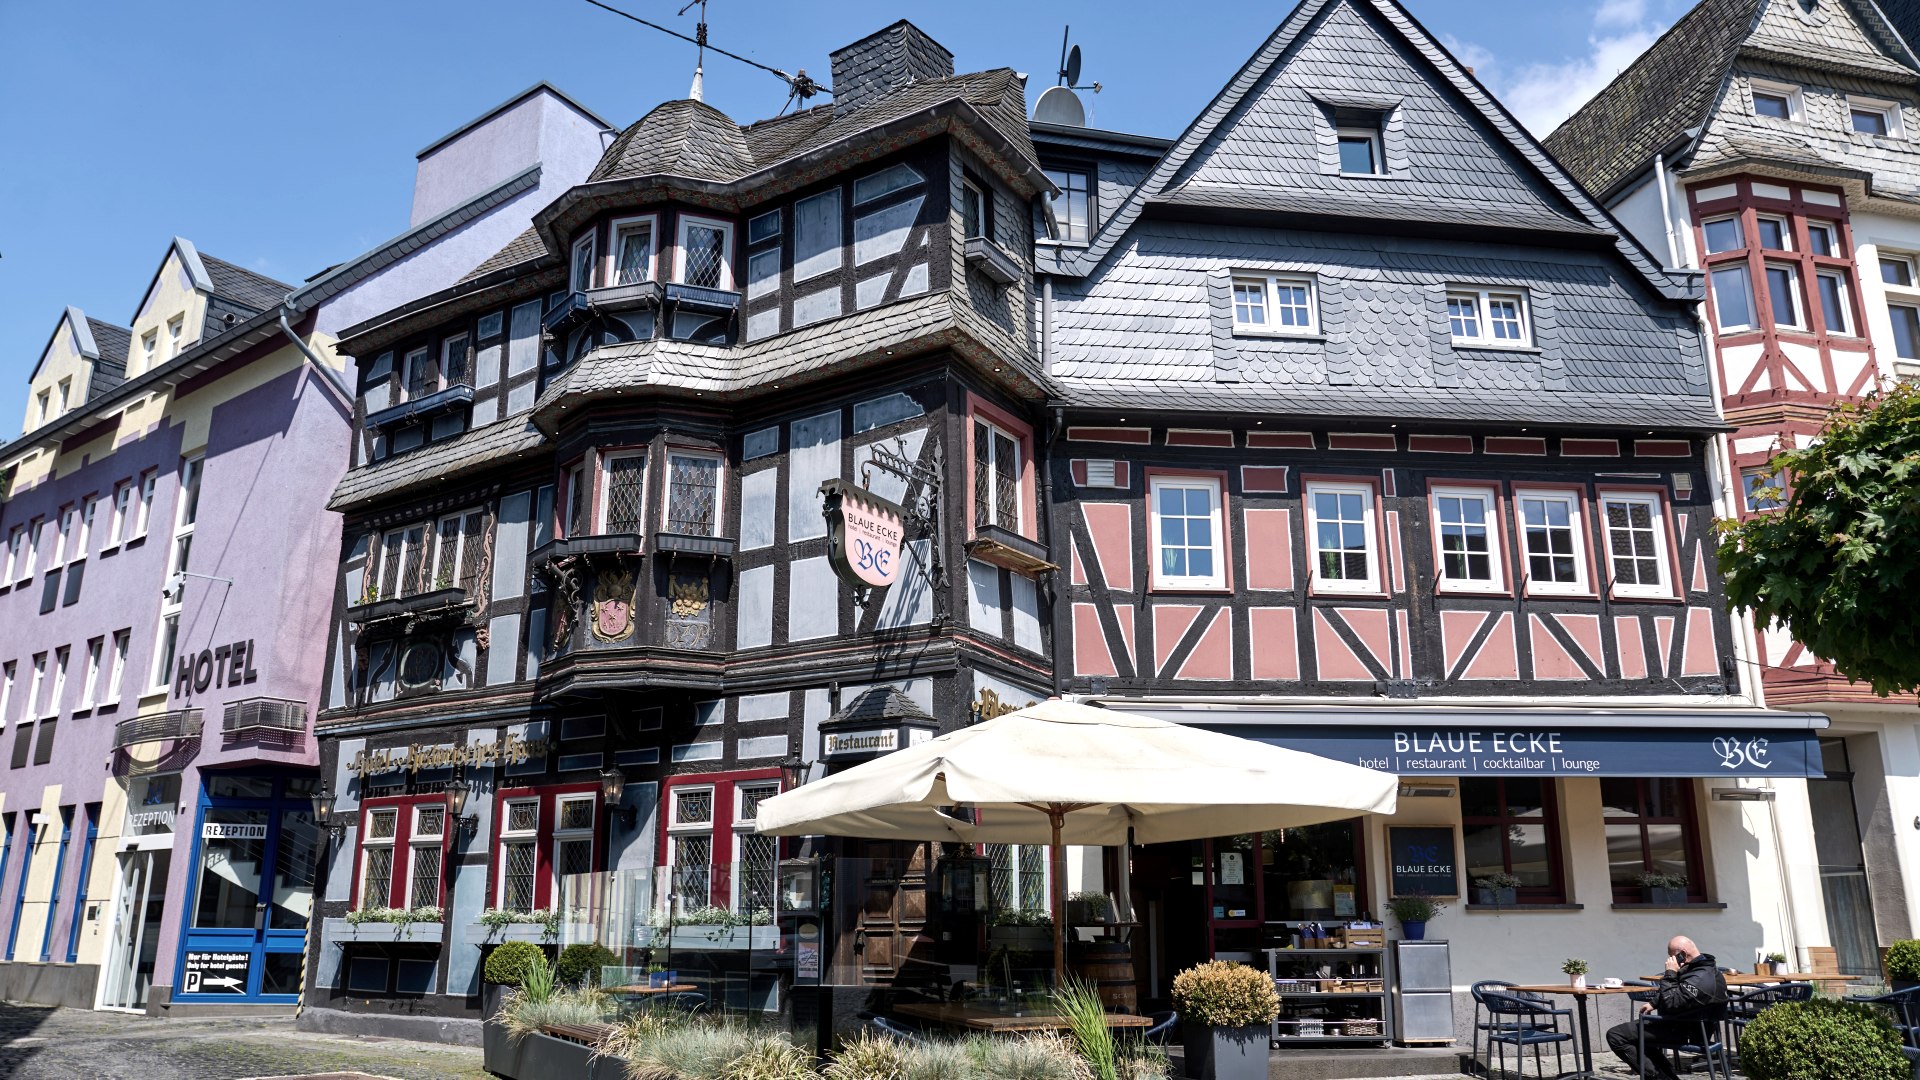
[[996, 477], [470, 551], [576, 813], [693, 869], [380, 824], [376, 880], [573, 856], [703, 254], [424, 887], [693, 491], [626, 494], [758, 854], [693, 807], [523, 816], [633, 252], [413, 560], [517, 863]]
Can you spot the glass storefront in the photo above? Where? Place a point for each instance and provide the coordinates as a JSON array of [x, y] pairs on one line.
[[256, 852]]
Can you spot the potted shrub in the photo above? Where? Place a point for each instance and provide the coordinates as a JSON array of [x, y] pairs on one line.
[[1575, 969], [1088, 909], [1667, 890], [1776, 963], [1824, 1037], [1496, 889], [579, 964], [1902, 963], [507, 968], [1227, 1012], [1414, 913], [1020, 930]]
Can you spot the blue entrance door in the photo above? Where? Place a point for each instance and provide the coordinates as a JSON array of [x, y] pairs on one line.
[[251, 895]]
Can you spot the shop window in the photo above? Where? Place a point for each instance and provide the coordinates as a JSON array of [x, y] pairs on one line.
[[693, 494], [624, 492], [1185, 532], [376, 856], [1469, 554], [519, 853], [1650, 830], [1550, 538], [1636, 544], [1513, 827], [426, 851], [690, 845], [1342, 538], [755, 856]]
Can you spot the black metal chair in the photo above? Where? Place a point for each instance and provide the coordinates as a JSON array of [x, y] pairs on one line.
[[1498, 985], [1165, 1026], [1523, 1023]]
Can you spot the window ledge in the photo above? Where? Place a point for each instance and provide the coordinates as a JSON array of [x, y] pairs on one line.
[[992, 261], [1495, 909], [1314, 337], [1498, 350], [110, 549], [136, 541], [1691, 905]]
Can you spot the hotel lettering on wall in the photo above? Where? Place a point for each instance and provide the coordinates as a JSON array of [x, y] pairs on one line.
[[510, 750], [864, 534], [224, 665]]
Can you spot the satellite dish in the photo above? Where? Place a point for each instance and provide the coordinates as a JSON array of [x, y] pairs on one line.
[[1072, 71], [1059, 105]]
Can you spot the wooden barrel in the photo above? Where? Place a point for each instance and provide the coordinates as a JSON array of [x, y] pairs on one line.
[[1108, 965]]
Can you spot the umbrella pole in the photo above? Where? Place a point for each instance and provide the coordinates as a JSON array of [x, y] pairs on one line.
[[1056, 815]]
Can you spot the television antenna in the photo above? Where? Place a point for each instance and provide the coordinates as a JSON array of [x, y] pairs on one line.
[[1059, 104], [799, 85]]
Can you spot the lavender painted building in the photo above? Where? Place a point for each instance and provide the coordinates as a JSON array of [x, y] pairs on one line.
[[165, 590]]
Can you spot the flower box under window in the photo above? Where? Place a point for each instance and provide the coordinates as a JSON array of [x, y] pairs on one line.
[[1006, 548], [992, 261], [343, 932]]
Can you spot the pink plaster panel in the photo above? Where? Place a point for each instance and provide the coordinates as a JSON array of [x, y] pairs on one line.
[[1170, 623], [1497, 658], [1633, 650], [1334, 662], [1697, 658], [1585, 632], [1090, 653], [1110, 525], [1550, 661], [1275, 652], [1263, 479], [1370, 625], [1269, 548], [1406, 647], [1699, 569], [1456, 630], [1663, 634], [1212, 655]]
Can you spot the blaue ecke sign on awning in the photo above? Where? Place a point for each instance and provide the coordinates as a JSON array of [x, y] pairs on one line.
[[1533, 751]]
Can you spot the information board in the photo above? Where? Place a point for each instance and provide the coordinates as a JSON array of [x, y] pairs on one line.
[[215, 972], [1423, 861]]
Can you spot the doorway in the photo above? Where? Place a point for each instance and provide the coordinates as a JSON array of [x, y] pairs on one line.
[[255, 855], [137, 918]]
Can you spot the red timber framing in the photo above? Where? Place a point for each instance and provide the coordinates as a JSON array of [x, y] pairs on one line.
[[548, 797], [720, 825]]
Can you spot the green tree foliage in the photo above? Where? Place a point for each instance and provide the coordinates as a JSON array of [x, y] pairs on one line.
[[1836, 562], [1820, 1040]]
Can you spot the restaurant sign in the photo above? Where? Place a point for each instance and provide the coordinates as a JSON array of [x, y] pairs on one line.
[[1423, 861], [414, 757], [864, 534], [1573, 751]]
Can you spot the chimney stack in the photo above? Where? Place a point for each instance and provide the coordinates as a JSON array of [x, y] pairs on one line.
[[884, 61]]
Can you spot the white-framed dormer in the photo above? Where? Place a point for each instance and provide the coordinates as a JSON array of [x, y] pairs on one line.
[[1489, 318], [1771, 100], [703, 252], [633, 252], [580, 263], [1277, 305], [1875, 116]]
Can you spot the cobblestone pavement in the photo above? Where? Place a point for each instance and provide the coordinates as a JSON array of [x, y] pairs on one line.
[[38, 1043]]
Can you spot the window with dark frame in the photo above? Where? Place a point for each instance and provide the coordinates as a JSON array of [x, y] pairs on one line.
[[976, 210], [1512, 826], [996, 477], [1073, 207], [693, 494], [626, 494], [1650, 830]]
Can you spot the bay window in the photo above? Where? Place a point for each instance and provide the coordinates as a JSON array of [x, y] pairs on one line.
[[1732, 297], [705, 253], [1342, 540], [1836, 313], [580, 268], [693, 494], [633, 251], [624, 494], [1783, 295], [1469, 549], [1184, 529], [996, 476]]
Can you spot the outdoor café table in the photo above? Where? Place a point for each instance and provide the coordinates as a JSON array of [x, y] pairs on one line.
[[977, 1018], [676, 988], [1747, 978], [1580, 994]]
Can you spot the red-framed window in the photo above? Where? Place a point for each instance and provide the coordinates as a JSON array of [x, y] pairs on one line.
[[1652, 827], [540, 836], [713, 856], [1512, 826], [1000, 477], [403, 852]]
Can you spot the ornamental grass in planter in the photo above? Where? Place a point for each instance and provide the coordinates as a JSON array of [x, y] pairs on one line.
[[1822, 1039], [1227, 1011]]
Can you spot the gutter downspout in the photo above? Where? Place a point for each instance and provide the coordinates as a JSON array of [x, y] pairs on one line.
[[329, 376]]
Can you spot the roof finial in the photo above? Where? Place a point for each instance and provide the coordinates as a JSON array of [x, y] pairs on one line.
[[698, 91]]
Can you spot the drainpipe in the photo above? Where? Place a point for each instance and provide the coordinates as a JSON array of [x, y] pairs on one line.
[[328, 375], [1666, 208]]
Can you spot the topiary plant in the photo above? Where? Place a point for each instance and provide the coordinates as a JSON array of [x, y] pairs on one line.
[[508, 964], [1903, 961], [581, 963], [1223, 994], [1822, 1039]]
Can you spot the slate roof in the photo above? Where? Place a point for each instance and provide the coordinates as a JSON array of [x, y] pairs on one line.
[[523, 248], [475, 451], [243, 286], [678, 138], [1609, 410], [110, 368]]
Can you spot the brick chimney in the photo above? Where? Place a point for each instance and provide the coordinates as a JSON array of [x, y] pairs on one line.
[[884, 61]]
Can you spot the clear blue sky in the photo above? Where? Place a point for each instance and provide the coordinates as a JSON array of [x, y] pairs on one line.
[[281, 136]]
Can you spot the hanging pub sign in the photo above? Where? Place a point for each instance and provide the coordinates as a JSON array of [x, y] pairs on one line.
[[864, 534]]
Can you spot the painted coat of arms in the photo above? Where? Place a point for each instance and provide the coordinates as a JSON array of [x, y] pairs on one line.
[[613, 597]]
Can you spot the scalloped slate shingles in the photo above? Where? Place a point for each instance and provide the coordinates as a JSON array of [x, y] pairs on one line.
[[242, 286]]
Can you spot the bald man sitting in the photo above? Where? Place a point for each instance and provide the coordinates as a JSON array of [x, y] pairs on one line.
[[1692, 990]]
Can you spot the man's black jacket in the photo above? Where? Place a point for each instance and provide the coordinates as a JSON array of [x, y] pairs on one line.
[[1696, 992]]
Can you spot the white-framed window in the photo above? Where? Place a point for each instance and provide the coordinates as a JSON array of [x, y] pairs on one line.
[[66, 395], [117, 518], [1875, 116], [1783, 293], [14, 545], [176, 330], [519, 853], [45, 411], [1906, 330], [83, 527], [573, 822], [117, 673], [580, 267], [36, 529], [690, 844], [1495, 318], [693, 493], [1184, 523], [62, 526], [418, 378], [34, 687], [1073, 207], [703, 254], [7, 673], [756, 858], [1722, 234], [1359, 151], [426, 852], [1019, 877], [1732, 297], [1343, 543], [623, 493], [1836, 307], [976, 210], [1636, 543], [1776, 100], [634, 250], [377, 836], [57, 686], [1823, 238], [144, 514], [1898, 269], [996, 476], [1274, 304], [455, 356], [90, 688], [1762, 488], [1775, 233], [1551, 541], [453, 537], [1467, 533], [149, 346]]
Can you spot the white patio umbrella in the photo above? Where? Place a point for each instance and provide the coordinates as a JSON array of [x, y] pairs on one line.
[[1059, 773]]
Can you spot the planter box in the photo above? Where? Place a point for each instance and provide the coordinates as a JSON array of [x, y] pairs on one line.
[[1021, 938], [475, 934], [342, 932], [1495, 897], [1665, 897], [1226, 1053], [543, 1057], [695, 938]]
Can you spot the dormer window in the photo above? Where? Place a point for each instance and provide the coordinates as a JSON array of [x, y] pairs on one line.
[[1073, 207], [1776, 101], [706, 253], [1871, 116], [976, 212], [582, 265], [633, 251], [176, 328], [1359, 151], [149, 342], [1488, 317]]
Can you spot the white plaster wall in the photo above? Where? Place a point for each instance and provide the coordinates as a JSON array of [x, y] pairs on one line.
[[1871, 233]]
